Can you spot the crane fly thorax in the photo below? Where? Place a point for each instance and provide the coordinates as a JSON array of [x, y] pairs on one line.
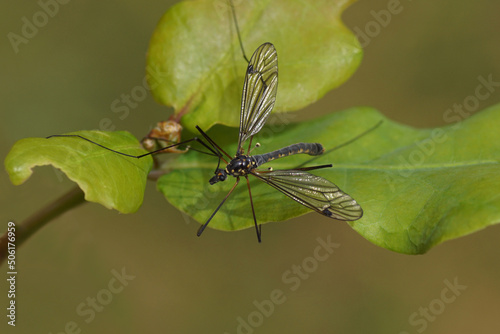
[[241, 165]]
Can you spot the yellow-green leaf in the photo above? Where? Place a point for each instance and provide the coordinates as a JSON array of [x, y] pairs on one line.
[[115, 181]]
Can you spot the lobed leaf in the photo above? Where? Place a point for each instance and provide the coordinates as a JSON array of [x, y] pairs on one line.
[[417, 187], [195, 63]]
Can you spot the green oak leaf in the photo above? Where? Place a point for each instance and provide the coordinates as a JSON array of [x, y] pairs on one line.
[[417, 187], [195, 65], [115, 181]]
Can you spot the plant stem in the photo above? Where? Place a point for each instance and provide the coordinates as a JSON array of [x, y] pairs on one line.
[[71, 199]]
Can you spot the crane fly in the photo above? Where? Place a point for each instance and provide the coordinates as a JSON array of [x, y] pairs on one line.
[[258, 99]]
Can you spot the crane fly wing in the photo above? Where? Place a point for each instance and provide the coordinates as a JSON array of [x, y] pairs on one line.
[[259, 91], [314, 192]]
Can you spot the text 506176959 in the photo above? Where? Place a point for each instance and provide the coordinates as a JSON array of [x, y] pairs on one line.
[[11, 273]]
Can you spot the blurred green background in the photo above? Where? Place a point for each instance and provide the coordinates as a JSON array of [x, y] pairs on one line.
[[67, 76]]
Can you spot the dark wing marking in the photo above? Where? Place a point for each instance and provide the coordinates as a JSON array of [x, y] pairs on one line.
[[259, 91], [314, 192]]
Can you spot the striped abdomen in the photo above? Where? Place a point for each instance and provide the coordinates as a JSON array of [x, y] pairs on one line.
[[300, 148]]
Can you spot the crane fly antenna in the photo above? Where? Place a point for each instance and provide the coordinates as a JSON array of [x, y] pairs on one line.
[[217, 147]]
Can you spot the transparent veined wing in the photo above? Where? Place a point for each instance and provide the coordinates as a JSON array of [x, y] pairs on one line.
[[259, 91], [314, 192]]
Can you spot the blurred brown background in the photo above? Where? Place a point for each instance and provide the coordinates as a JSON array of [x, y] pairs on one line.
[[65, 78]]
